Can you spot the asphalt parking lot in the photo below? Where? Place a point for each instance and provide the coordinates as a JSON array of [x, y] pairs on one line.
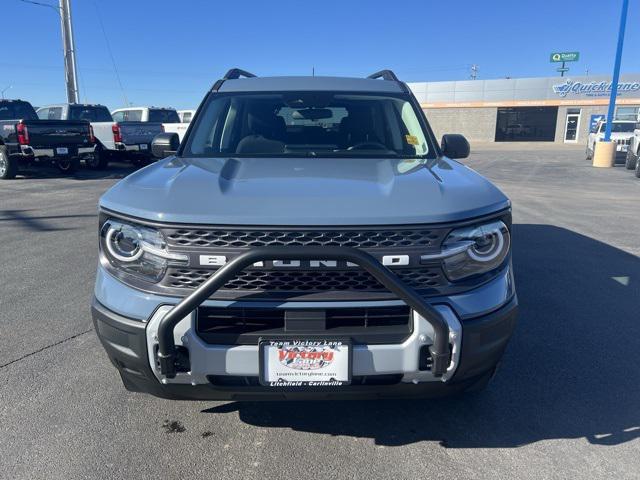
[[565, 403]]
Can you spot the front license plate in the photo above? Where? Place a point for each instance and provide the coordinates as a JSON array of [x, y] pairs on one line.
[[62, 151], [143, 146], [305, 363]]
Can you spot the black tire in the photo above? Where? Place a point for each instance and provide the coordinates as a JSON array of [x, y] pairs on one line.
[[68, 165], [8, 165], [631, 160], [638, 168], [589, 153], [98, 160]]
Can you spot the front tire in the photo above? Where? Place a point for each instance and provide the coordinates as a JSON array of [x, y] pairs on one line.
[[638, 168], [8, 165], [68, 165], [631, 160]]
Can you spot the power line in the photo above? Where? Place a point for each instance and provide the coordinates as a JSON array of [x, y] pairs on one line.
[[113, 60]]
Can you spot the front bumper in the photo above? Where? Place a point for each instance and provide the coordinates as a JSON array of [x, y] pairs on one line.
[[230, 372]]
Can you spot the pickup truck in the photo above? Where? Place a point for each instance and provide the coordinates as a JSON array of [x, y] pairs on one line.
[[26, 140], [168, 117], [621, 134], [633, 152], [309, 238], [113, 140]]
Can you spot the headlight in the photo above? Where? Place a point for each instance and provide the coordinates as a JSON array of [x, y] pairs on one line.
[[473, 250], [136, 250]]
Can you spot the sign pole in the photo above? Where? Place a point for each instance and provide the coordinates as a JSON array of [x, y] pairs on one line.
[[616, 71]]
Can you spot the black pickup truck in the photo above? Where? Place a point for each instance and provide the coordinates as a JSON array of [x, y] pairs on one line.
[[25, 139]]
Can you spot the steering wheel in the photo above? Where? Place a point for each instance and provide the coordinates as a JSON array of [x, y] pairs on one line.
[[368, 146]]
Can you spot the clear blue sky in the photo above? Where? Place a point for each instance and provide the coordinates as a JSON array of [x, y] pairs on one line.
[[170, 52]]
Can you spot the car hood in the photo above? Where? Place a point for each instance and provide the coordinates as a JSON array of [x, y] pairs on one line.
[[618, 135], [304, 191]]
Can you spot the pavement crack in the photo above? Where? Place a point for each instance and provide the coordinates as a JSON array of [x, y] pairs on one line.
[[60, 342]]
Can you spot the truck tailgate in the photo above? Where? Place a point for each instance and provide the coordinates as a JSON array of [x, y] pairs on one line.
[[139, 132], [58, 133]]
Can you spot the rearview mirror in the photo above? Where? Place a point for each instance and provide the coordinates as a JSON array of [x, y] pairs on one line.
[[165, 144], [455, 146]]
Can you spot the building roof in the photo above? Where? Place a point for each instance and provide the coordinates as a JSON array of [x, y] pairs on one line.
[[278, 84]]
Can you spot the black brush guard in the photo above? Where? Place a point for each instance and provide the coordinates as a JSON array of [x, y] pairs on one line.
[[167, 349]]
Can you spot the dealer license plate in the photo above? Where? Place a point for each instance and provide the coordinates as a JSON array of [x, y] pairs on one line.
[[305, 363], [62, 151]]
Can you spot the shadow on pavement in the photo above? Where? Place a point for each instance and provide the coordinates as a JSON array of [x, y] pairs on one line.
[[115, 170], [572, 369]]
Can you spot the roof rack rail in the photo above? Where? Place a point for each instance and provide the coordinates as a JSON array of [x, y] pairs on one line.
[[385, 75], [235, 73]]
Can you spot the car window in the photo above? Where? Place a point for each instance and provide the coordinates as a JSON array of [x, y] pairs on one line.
[[16, 111], [133, 115], [186, 117], [163, 115], [55, 113], [43, 113], [89, 113], [319, 124], [118, 116], [622, 127]]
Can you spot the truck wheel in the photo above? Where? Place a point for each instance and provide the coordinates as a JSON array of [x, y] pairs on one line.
[[638, 168], [8, 165], [631, 160], [98, 160], [68, 165]]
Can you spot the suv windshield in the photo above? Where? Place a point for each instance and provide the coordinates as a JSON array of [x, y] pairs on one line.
[[302, 124]]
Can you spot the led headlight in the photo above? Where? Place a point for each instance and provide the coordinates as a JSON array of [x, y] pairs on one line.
[[473, 250], [136, 250]]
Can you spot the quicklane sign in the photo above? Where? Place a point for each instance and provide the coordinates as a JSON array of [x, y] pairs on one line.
[[565, 56]]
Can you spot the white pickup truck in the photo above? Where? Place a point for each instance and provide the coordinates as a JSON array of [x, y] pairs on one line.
[[633, 152], [621, 133], [186, 116], [113, 140], [168, 117]]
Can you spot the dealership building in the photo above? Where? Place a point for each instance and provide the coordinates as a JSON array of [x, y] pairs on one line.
[[552, 109]]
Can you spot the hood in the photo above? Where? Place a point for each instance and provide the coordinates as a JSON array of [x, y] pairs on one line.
[[618, 135], [304, 192]]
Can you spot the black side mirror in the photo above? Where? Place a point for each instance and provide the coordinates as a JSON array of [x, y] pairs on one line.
[[455, 146], [165, 144]]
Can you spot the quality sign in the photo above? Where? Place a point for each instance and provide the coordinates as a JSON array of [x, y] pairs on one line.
[[565, 57]]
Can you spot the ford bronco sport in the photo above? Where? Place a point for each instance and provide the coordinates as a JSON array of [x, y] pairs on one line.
[[308, 238]]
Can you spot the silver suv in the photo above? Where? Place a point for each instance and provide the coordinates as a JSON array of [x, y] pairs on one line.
[[308, 238]]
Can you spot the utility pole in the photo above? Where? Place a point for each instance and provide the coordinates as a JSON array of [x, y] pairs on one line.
[[68, 45], [474, 72]]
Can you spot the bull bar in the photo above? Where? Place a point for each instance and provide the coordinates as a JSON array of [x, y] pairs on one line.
[[439, 349]]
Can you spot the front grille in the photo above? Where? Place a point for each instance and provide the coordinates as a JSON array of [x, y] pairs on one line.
[[306, 280], [238, 325], [222, 238]]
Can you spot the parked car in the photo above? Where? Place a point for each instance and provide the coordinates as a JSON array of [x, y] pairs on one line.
[[186, 115], [346, 255], [633, 152], [168, 117], [621, 133], [27, 140], [114, 140]]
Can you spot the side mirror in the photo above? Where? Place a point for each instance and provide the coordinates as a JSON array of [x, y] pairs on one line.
[[455, 146], [165, 144]]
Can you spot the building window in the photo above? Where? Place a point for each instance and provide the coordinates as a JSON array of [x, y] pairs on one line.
[[526, 124], [627, 113]]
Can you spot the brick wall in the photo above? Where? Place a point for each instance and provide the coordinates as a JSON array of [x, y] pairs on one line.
[[476, 124]]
